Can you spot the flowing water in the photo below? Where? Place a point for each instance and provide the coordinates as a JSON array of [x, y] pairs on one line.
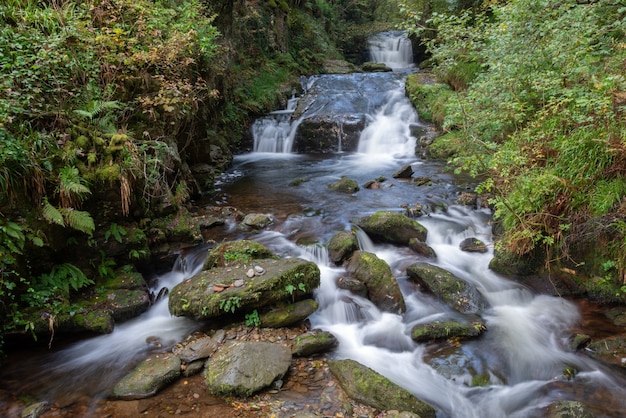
[[514, 370]]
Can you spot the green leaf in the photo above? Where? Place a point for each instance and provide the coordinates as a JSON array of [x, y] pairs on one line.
[[79, 220], [52, 214]]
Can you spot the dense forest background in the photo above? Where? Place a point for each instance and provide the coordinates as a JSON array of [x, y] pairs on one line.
[[115, 113]]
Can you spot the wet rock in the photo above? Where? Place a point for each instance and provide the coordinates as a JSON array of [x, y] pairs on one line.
[[242, 368], [375, 67], [422, 248], [382, 287], [578, 341], [329, 133], [341, 246], [237, 252], [568, 409], [458, 294], [34, 410], [284, 281], [149, 377], [289, 314], [199, 347], [192, 368], [404, 173], [257, 220], [314, 342], [611, 350], [422, 181], [392, 227], [473, 245], [125, 304], [345, 185], [353, 285], [443, 330], [370, 388]]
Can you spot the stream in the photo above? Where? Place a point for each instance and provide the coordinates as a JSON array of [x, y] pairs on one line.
[[515, 369]]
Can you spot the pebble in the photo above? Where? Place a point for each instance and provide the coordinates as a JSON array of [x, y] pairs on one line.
[[259, 271], [250, 273], [239, 283]]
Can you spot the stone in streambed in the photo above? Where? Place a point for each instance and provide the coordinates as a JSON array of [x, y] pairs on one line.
[[241, 368], [382, 286], [290, 314], [285, 281], [314, 342], [568, 409], [341, 246], [457, 293], [345, 185], [199, 347], [473, 245], [370, 388], [148, 377], [237, 252], [443, 330], [404, 173], [392, 227]]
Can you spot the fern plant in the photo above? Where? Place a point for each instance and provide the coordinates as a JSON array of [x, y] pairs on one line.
[[68, 217], [63, 276]]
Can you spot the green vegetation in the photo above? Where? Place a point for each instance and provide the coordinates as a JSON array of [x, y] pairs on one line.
[[538, 100]]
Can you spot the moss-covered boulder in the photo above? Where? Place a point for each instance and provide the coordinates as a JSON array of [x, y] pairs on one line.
[[375, 67], [345, 185], [236, 252], [457, 293], [370, 388], [422, 248], [473, 245], [341, 246], [392, 227], [568, 409], [428, 97], [289, 314], [382, 286], [230, 290], [257, 220], [242, 368], [314, 342], [443, 330], [148, 377]]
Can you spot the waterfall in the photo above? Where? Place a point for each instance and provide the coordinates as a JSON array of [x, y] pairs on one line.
[[393, 49], [275, 132]]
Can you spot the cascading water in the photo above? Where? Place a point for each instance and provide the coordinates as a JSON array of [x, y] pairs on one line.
[[275, 132], [393, 49]]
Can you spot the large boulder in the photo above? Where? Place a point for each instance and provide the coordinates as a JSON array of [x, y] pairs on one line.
[[370, 388], [392, 227], [457, 293], [148, 377], [443, 330], [290, 314], [382, 287], [242, 368], [313, 342], [229, 290]]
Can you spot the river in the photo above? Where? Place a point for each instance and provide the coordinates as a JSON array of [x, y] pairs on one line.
[[517, 368]]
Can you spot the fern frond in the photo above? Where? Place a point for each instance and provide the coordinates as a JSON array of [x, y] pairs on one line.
[[79, 220], [51, 213], [72, 187]]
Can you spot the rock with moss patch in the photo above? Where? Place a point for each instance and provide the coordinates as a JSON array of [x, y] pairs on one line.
[[345, 185], [457, 293], [314, 342], [403, 173], [237, 252], [257, 220], [228, 291], [341, 246], [392, 227], [353, 285], [197, 347], [241, 368], [611, 350], [290, 314], [443, 330], [422, 248], [149, 377], [473, 245], [568, 409], [382, 286], [375, 67], [370, 388]]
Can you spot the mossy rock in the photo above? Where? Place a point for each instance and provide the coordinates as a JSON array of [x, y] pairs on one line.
[[237, 252], [392, 227], [149, 377], [611, 350], [288, 315], [375, 67], [457, 293], [314, 342], [443, 330], [382, 286], [229, 292], [345, 185], [366, 386], [428, 97], [446, 146], [341, 246], [568, 409]]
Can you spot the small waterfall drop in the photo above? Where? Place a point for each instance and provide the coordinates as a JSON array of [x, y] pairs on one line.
[[275, 132], [393, 49]]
